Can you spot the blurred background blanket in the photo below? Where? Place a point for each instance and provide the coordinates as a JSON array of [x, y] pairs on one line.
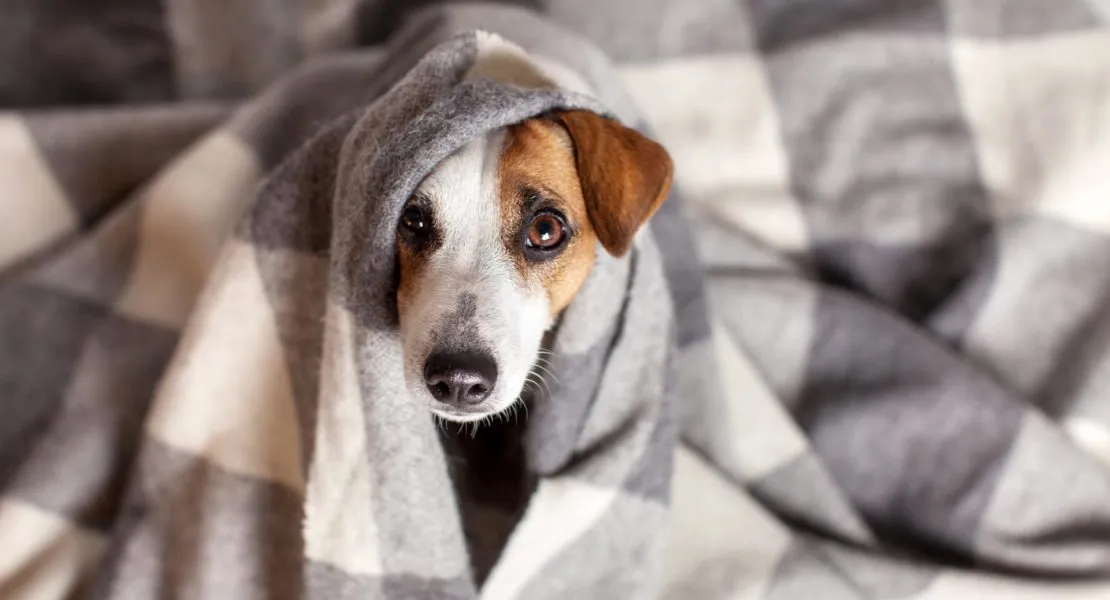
[[893, 376]]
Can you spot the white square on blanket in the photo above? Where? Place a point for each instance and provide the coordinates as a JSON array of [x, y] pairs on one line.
[[1039, 109], [716, 116]]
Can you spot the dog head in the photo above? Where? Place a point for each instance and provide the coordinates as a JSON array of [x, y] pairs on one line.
[[498, 239]]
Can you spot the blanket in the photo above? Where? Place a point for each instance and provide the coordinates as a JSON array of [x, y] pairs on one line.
[[862, 355]]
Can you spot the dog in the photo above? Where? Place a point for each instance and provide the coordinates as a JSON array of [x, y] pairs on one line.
[[491, 248], [497, 240]]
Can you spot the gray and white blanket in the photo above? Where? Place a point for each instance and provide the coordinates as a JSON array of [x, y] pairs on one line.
[[865, 354]]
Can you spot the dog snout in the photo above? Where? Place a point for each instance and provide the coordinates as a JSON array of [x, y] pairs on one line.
[[460, 379]]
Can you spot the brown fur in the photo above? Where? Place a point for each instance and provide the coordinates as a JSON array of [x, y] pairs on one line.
[[624, 176], [410, 263], [538, 155]]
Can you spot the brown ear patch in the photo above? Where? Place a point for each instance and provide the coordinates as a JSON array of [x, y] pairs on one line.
[[624, 175]]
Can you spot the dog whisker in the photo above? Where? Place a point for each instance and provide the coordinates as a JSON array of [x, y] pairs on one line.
[[546, 366], [514, 410], [548, 372], [543, 374], [541, 386]]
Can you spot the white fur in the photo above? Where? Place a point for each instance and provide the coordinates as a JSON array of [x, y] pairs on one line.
[[472, 258]]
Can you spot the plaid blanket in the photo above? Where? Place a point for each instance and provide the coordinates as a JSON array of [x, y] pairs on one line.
[[866, 354]]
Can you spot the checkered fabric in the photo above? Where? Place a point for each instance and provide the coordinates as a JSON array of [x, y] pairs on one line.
[[866, 354]]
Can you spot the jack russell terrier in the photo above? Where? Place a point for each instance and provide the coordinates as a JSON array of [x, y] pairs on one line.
[[498, 239]]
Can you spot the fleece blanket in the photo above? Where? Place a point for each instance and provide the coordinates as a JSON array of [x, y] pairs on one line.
[[863, 355]]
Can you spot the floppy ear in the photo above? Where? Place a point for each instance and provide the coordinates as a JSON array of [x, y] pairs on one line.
[[624, 175]]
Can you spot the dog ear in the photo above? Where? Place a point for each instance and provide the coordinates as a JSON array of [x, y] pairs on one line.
[[624, 175]]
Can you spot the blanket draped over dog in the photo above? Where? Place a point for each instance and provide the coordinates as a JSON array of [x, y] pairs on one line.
[[865, 355]]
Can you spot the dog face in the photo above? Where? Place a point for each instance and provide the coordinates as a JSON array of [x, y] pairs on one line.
[[499, 238]]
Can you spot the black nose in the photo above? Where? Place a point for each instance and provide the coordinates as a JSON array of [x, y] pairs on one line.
[[460, 378]]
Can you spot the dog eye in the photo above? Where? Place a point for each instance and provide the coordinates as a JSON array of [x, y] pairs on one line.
[[546, 231], [414, 219]]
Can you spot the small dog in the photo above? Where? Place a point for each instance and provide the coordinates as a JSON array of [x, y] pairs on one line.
[[499, 238]]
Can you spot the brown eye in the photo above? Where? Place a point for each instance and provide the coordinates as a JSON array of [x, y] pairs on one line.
[[414, 219], [547, 231], [416, 227]]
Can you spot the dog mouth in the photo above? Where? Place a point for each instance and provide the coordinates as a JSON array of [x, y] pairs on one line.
[[466, 415], [476, 413]]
